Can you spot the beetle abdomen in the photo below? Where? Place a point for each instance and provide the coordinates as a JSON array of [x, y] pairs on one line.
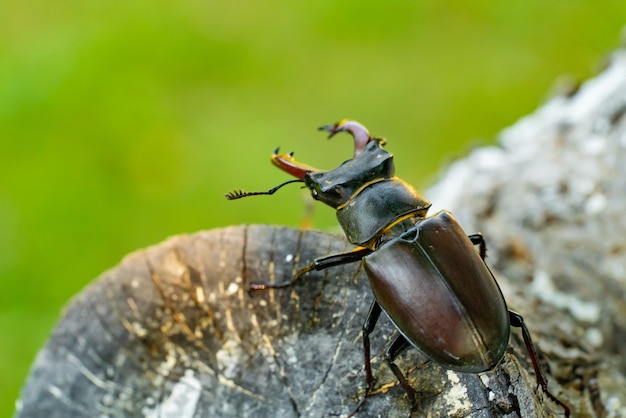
[[441, 295]]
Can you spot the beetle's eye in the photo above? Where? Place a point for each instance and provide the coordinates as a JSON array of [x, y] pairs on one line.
[[314, 194]]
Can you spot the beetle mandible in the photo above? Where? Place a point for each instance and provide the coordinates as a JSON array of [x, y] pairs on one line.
[[423, 271]]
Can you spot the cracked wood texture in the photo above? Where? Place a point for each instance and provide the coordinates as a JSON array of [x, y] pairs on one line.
[[173, 332]]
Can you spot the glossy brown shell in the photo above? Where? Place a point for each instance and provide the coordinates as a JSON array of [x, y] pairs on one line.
[[440, 294]]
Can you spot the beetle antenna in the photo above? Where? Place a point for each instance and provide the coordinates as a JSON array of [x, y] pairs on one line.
[[238, 194]]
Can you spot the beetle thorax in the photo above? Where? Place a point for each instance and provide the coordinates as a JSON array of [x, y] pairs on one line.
[[376, 208]]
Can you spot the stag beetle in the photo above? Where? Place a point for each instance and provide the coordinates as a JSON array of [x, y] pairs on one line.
[[424, 271]]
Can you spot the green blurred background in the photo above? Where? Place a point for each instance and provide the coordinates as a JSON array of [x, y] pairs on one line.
[[124, 122]]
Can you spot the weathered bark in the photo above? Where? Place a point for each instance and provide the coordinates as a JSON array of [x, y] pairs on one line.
[[172, 330]]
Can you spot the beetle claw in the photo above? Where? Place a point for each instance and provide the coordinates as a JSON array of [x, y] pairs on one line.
[[262, 285]]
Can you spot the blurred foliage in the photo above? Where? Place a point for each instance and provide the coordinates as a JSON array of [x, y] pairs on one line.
[[124, 122]]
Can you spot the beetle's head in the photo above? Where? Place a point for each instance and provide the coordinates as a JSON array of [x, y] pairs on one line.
[[336, 187], [359, 132]]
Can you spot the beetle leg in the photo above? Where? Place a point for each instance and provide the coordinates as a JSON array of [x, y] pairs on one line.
[[477, 239], [518, 321], [368, 328], [318, 264], [397, 346], [338, 259]]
